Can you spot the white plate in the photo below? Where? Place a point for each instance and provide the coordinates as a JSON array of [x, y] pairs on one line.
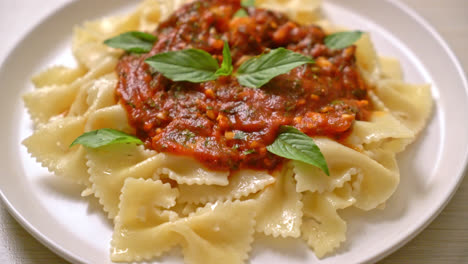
[[431, 169]]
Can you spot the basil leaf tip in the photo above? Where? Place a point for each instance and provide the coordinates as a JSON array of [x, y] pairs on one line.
[[259, 70], [226, 66], [341, 40], [293, 144], [103, 137], [133, 41]]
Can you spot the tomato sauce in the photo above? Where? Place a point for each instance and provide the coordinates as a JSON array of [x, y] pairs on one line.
[[222, 124]]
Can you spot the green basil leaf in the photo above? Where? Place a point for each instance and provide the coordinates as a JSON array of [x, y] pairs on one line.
[[259, 70], [192, 65], [293, 144], [241, 13], [134, 41], [342, 40], [247, 3], [104, 137], [226, 66]]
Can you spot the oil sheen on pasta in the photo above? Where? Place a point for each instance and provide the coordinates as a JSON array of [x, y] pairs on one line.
[[223, 124]]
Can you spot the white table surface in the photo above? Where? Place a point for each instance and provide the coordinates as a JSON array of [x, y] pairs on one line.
[[444, 241]]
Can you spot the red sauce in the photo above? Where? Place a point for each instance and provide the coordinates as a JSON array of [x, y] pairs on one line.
[[223, 124]]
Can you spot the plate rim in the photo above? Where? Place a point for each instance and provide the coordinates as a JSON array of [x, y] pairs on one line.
[[406, 9], [409, 11]]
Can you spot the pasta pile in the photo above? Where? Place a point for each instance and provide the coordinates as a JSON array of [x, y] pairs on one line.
[[158, 201]]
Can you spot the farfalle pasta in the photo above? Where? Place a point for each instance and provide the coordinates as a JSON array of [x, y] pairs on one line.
[[160, 197]]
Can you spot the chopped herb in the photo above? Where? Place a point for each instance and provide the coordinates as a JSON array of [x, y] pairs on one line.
[[209, 108], [297, 84], [240, 135], [131, 104], [235, 147], [153, 83], [188, 134], [151, 103], [289, 107], [354, 109], [248, 152], [336, 102], [360, 94], [179, 95]]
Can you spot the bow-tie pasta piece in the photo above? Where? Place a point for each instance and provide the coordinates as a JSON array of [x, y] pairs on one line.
[[216, 231], [241, 184], [279, 208]]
